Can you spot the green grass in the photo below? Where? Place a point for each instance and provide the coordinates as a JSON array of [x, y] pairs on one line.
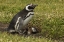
[[4, 37], [49, 15]]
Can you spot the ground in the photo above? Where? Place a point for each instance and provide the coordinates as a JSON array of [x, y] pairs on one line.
[[2, 25]]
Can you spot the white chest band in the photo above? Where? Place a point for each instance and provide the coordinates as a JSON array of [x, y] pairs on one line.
[[29, 17]]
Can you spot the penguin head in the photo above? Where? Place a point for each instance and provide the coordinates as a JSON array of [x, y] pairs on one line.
[[34, 29], [30, 7]]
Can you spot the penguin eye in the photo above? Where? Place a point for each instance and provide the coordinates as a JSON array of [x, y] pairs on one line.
[[30, 7]]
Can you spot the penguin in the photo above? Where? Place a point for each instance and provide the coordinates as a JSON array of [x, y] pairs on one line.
[[32, 29], [21, 19]]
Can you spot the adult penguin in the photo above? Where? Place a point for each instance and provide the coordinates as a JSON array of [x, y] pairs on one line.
[[21, 19]]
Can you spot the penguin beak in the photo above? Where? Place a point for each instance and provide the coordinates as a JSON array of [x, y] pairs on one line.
[[35, 5]]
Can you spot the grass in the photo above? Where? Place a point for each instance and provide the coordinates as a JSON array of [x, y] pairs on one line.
[[4, 37], [49, 15]]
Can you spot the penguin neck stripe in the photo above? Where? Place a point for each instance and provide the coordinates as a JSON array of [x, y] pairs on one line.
[[29, 14]]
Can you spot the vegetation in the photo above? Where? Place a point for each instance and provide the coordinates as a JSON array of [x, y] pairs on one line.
[[4, 37], [49, 15]]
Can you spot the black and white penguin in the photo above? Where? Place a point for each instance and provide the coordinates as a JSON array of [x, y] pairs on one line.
[[21, 19]]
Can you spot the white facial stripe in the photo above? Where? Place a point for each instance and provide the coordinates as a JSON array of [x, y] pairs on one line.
[[27, 8], [28, 18], [17, 25]]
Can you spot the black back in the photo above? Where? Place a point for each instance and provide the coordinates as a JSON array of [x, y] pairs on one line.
[[21, 14]]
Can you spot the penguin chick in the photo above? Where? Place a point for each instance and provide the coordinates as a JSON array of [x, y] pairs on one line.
[[32, 31]]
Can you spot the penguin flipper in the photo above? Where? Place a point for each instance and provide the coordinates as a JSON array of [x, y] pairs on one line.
[[19, 25]]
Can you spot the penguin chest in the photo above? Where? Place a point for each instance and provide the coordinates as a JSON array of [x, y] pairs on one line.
[[28, 17]]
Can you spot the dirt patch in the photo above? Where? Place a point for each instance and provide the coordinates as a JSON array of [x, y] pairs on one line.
[[2, 25]]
